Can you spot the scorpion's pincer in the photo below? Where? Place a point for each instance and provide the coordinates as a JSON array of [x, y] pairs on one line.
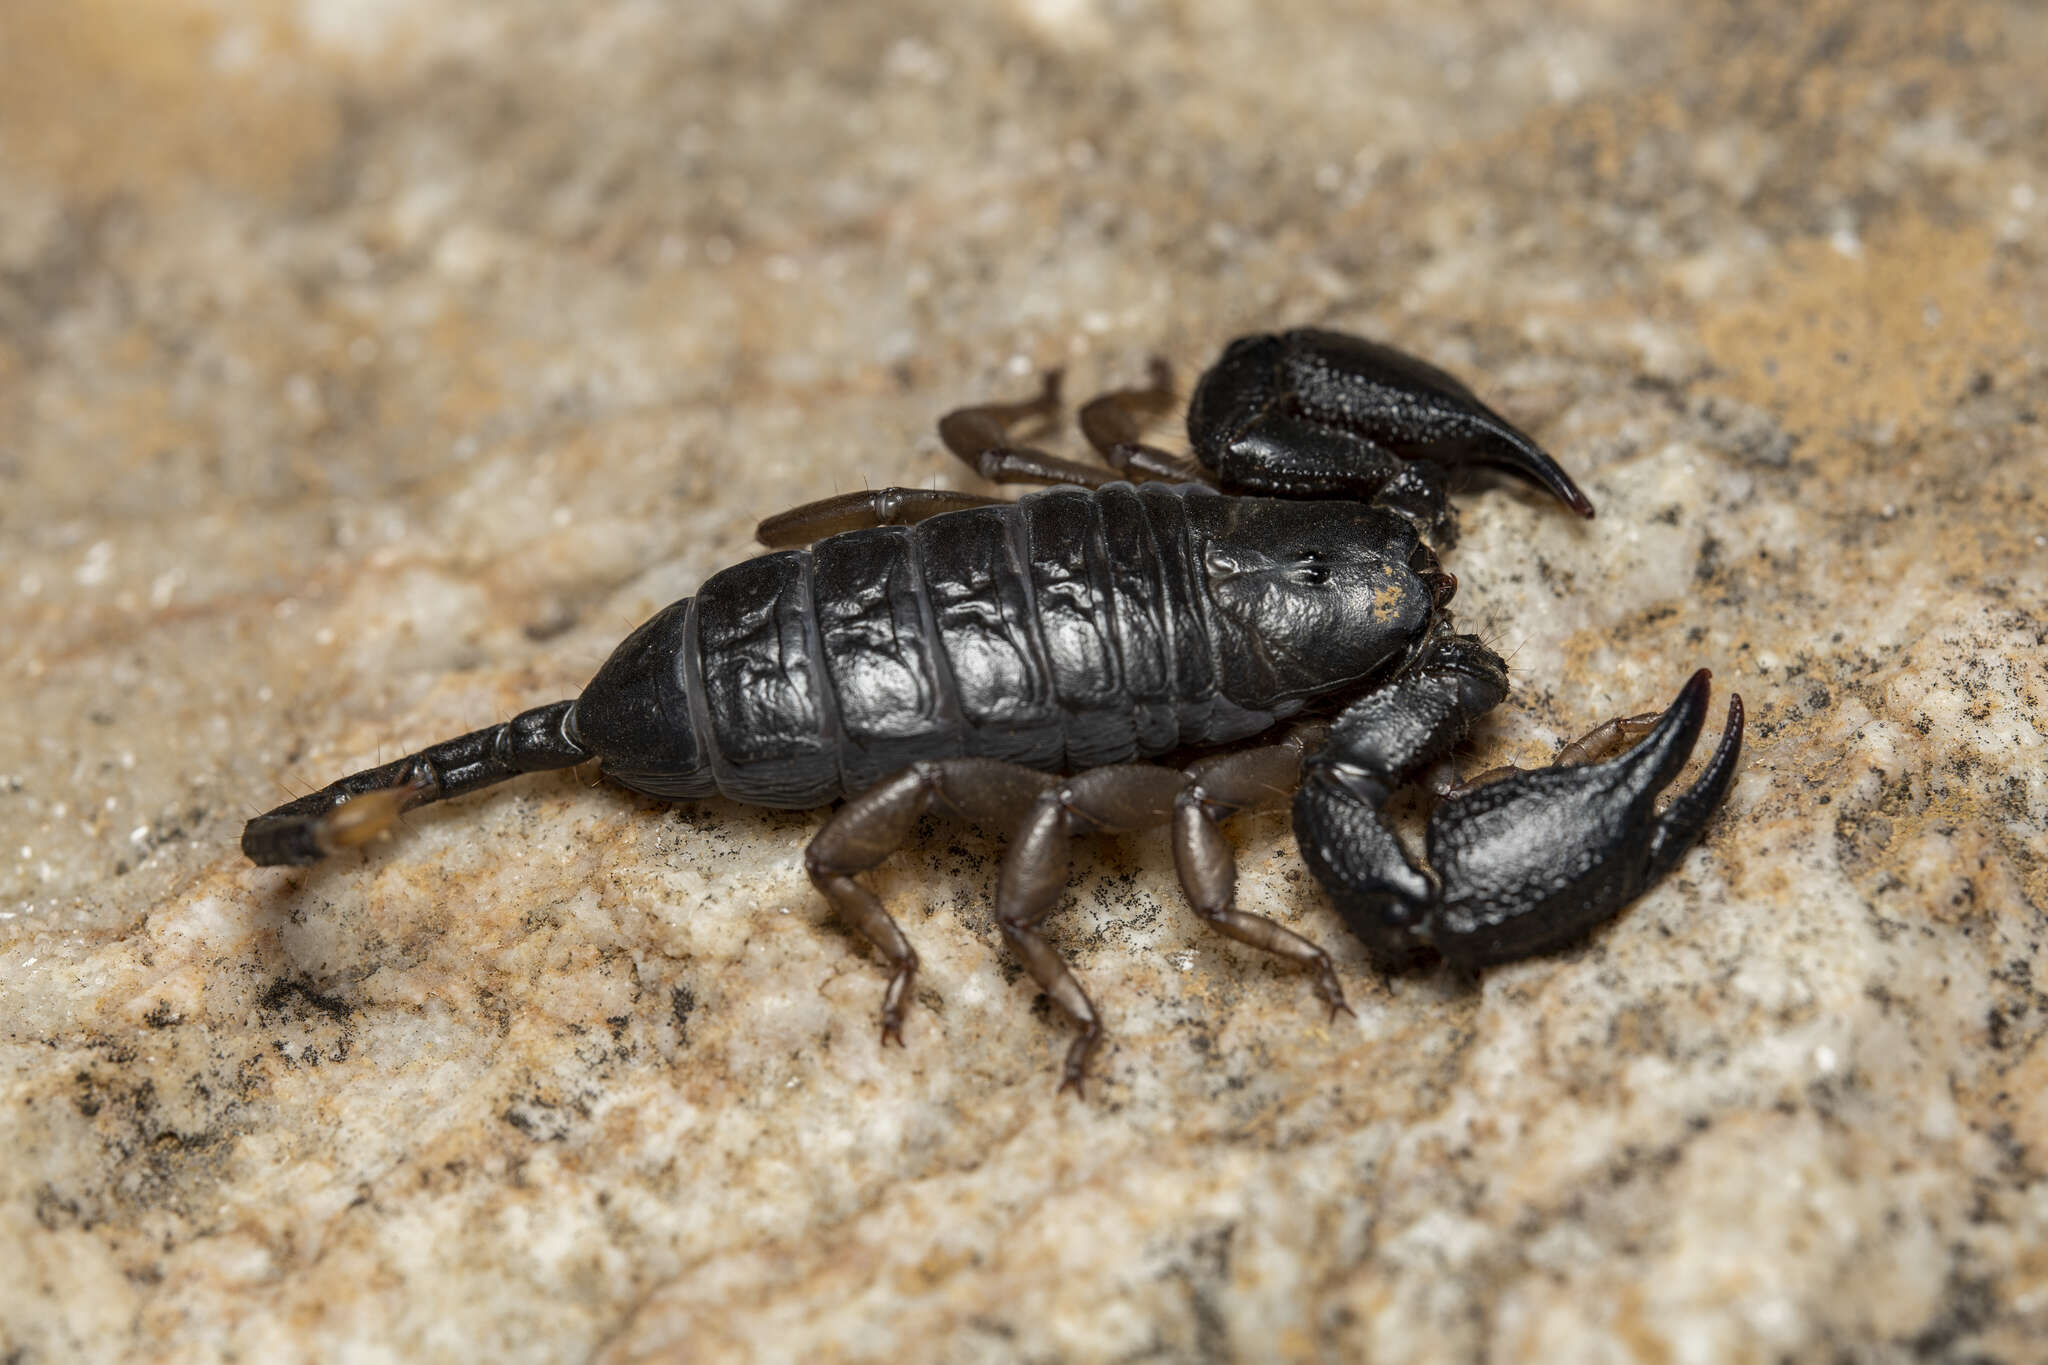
[[1537, 859]]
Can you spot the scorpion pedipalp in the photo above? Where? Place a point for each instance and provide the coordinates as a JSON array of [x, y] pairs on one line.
[[1538, 858], [1520, 865], [1316, 413]]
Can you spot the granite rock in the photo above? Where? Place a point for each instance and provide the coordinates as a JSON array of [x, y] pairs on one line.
[[367, 370]]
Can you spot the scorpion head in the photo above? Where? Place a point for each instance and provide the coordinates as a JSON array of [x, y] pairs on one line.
[[1317, 594]]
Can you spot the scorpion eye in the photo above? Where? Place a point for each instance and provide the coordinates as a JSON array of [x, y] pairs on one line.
[[1310, 570], [1309, 567]]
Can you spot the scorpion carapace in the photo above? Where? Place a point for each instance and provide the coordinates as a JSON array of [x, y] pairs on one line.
[[924, 651]]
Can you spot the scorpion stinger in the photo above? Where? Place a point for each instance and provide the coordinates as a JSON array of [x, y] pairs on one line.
[[361, 807]]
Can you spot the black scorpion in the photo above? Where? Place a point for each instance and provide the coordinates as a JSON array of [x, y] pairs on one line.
[[943, 652]]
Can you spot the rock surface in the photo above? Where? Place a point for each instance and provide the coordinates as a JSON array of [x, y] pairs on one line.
[[367, 370]]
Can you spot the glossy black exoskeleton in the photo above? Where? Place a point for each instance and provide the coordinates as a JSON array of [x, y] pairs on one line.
[[934, 651]]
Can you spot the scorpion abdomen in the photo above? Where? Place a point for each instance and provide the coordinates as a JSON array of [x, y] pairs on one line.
[[1064, 631]]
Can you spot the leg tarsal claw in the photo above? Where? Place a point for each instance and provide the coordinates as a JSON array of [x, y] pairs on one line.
[[895, 998], [1074, 1073], [1332, 993]]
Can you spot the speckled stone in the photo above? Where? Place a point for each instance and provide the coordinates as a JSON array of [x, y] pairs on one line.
[[367, 370]]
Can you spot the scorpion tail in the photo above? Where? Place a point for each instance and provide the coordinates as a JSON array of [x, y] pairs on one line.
[[363, 806]]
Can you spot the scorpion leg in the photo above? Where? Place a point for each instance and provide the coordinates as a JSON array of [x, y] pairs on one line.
[[981, 436], [1111, 800], [1255, 779], [880, 820], [362, 806], [813, 521], [1114, 422], [1042, 814]]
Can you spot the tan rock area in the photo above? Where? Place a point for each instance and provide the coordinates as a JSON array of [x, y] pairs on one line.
[[367, 370]]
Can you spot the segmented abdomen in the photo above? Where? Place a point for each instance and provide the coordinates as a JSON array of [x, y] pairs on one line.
[[1063, 631]]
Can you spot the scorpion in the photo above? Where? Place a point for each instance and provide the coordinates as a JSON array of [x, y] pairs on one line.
[[1015, 664]]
